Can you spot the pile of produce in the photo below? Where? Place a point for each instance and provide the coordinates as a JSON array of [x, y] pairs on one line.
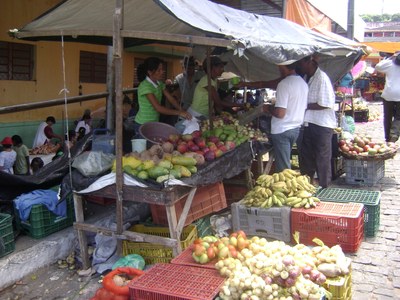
[[160, 163], [45, 149], [362, 147], [288, 188], [258, 269]]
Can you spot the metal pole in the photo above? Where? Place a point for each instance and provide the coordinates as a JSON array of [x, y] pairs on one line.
[[350, 20]]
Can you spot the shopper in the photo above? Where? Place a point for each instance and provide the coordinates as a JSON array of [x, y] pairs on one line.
[[391, 96], [187, 81], [7, 156], [84, 126], [45, 133], [287, 114], [21, 166], [150, 92], [319, 121]]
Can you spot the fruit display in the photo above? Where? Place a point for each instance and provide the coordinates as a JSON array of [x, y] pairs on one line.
[[288, 188], [258, 269], [362, 146]]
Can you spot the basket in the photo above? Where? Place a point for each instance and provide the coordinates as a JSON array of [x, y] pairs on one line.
[[207, 199], [271, 222], [367, 172], [43, 222], [154, 253], [339, 287], [157, 132], [379, 156], [7, 244], [176, 282], [370, 199], [333, 223]]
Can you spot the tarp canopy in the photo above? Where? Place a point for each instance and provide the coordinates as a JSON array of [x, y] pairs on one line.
[[256, 42]]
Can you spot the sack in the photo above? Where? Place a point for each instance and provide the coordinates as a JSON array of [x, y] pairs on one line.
[[93, 163]]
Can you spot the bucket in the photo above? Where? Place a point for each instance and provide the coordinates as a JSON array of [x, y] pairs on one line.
[[138, 145]]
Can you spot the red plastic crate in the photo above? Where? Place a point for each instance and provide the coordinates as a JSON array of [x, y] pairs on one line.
[[186, 259], [207, 199], [104, 201], [333, 223], [176, 282]]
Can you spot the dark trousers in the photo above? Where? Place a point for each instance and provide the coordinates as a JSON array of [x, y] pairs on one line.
[[316, 153], [391, 120]]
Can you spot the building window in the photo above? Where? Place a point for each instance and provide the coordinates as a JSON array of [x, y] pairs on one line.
[[368, 34], [16, 61], [378, 34], [92, 67], [397, 34], [389, 34]]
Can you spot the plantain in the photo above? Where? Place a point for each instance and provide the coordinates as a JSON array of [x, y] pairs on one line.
[[281, 176], [303, 194]]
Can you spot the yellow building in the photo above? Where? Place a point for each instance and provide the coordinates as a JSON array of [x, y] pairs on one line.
[[33, 71]]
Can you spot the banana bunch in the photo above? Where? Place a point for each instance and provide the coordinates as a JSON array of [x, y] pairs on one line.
[[288, 187]]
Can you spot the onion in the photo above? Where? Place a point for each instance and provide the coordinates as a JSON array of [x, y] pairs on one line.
[[288, 260], [306, 270], [294, 272], [314, 275], [321, 279], [290, 282]]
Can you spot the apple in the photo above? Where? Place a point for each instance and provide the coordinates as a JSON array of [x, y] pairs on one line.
[[213, 139], [199, 141], [218, 153], [345, 148], [366, 148], [182, 148], [342, 142], [196, 134], [223, 148], [372, 151], [209, 155], [230, 145], [193, 147]]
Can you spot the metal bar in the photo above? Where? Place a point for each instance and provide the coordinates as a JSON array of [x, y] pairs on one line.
[[55, 102]]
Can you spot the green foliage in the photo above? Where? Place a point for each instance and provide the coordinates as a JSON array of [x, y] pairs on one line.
[[381, 18]]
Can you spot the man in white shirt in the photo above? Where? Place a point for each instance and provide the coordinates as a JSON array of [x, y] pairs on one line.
[[319, 122], [391, 96], [287, 114]]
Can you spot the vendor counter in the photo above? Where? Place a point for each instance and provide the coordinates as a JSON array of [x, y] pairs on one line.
[[227, 166]]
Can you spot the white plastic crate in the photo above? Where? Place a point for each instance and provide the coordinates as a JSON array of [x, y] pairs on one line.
[[271, 222], [366, 172]]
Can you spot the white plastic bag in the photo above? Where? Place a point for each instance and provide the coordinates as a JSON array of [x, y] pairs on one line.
[[93, 163]]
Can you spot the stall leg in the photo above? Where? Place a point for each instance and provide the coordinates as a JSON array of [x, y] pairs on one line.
[[271, 158], [79, 217]]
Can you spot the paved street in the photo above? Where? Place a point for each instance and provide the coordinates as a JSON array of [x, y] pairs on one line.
[[375, 267]]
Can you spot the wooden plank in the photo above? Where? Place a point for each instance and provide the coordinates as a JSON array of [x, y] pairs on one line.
[[83, 245]]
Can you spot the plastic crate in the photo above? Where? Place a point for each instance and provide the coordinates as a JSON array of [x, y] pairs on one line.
[[155, 253], [333, 223], [176, 282], [370, 199], [43, 222], [185, 258], [339, 287], [207, 199], [271, 222], [234, 192], [7, 244], [367, 172], [103, 201], [203, 226]]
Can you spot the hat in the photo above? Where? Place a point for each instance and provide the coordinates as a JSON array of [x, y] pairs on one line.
[[7, 141], [287, 62]]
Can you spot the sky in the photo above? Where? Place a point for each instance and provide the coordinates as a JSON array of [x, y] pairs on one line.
[[377, 7]]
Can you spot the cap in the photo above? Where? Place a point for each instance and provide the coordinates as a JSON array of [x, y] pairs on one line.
[[287, 62], [7, 141]]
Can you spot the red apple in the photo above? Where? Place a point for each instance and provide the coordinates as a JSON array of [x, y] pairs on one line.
[[193, 147], [182, 148], [223, 148], [196, 134], [199, 141], [209, 155], [213, 139], [366, 148], [212, 147], [342, 142]]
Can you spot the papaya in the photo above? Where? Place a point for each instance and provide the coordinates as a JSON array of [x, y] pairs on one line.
[[183, 170], [131, 161], [192, 169], [143, 175], [176, 173], [165, 164], [157, 171], [164, 177], [183, 161], [147, 164]]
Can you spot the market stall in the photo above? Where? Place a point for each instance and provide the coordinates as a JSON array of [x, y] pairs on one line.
[[256, 40]]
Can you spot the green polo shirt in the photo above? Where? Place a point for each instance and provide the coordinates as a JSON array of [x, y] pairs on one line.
[[200, 97], [146, 112]]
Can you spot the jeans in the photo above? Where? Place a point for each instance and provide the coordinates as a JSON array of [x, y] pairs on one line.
[[282, 144], [391, 120]]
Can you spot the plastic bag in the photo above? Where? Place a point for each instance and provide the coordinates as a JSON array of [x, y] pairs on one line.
[[347, 124], [131, 260], [93, 163]]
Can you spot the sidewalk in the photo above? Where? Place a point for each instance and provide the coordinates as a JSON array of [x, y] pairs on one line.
[[375, 267]]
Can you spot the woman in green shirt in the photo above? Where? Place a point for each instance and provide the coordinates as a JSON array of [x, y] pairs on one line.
[[150, 92]]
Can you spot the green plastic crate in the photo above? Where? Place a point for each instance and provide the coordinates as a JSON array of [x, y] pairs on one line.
[[204, 226], [43, 222], [7, 244], [370, 199]]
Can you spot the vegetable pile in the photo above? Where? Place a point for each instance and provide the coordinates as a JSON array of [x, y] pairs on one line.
[[272, 270]]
